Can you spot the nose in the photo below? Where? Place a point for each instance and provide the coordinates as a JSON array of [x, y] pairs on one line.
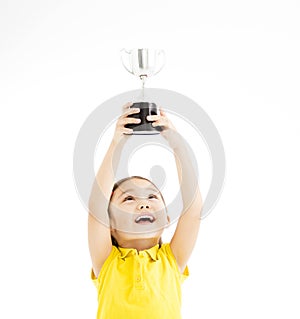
[[143, 205]]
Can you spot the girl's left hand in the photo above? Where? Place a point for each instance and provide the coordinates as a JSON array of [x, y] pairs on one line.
[[163, 121]]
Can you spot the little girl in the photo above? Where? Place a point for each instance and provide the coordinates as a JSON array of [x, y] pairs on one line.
[[136, 275]]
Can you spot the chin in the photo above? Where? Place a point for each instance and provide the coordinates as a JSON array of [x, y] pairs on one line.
[[139, 235], [149, 235]]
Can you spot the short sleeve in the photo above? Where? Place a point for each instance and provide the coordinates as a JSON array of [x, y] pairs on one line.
[[96, 280], [168, 251], [185, 274]]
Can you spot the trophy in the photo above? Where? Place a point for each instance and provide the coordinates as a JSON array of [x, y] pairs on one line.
[[143, 63]]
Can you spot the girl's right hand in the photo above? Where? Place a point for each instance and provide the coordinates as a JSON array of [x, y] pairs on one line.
[[120, 129]]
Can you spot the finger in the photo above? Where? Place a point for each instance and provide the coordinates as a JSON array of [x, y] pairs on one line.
[[159, 123], [162, 112], [127, 131], [153, 117], [129, 120], [130, 111], [127, 106]]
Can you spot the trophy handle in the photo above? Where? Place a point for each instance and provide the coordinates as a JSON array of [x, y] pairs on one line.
[[125, 60], [162, 60]]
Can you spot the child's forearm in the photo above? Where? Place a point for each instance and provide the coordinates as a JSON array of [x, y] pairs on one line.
[[187, 174], [104, 181]]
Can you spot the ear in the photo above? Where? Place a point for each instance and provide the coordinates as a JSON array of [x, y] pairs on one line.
[[112, 222], [112, 230]]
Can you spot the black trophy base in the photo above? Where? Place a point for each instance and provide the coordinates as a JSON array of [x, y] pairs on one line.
[[144, 127]]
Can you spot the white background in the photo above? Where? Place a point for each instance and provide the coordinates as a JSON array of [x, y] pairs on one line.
[[239, 60]]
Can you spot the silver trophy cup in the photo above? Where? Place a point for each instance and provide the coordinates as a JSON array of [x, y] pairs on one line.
[[143, 63]]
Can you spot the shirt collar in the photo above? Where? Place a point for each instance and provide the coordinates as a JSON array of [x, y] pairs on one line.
[[151, 252]]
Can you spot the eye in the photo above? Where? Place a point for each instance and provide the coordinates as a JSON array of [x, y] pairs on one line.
[[128, 198], [152, 196]]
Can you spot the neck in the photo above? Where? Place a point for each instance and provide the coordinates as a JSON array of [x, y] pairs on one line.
[[139, 244]]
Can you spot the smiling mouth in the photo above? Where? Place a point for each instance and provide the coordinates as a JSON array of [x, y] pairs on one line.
[[145, 219]]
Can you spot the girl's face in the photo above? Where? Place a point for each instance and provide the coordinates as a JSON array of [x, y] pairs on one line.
[[137, 210]]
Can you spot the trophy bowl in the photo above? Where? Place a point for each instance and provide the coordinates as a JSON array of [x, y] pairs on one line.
[[143, 62]]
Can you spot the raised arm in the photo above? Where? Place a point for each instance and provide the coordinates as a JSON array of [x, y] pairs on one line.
[[99, 234], [184, 238]]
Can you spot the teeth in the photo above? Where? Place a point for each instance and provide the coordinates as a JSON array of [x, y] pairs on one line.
[[145, 218]]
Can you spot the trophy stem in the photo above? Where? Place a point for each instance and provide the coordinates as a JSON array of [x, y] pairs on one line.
[[143, 78]]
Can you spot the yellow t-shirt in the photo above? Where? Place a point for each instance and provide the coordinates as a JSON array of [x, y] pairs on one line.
[[139, 285]]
